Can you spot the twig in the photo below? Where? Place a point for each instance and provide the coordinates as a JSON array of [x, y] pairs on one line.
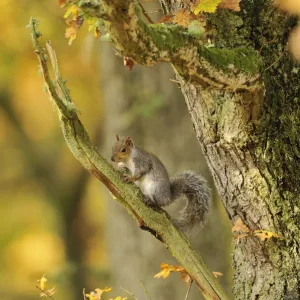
[[280, 56], [132, 295], [83, 292], [146, 292], [44, 292], [145, 13], [188, 291]]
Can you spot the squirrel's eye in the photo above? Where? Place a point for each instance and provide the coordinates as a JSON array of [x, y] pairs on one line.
[[123, 150]]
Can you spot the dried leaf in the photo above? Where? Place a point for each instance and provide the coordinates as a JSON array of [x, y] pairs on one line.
[[217, 274], [62, 2], [230, 4], [186, 278], [208, 6], [240, 226], [167, 269], [128, 62], [71, 32], [166, 19], [265, 235], [240, 236], [183, 17]]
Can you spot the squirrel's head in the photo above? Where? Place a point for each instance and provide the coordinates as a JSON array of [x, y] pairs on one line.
[[122, 149]]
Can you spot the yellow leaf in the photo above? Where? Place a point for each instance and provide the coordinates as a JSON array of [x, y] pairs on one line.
[[264, 234], [240, 226], [167, 269], [208, 6], [97, 294], [41, 283], [217, 274], [73, 9]]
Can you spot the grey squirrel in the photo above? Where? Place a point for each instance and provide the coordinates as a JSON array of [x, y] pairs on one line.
[[151, 176]]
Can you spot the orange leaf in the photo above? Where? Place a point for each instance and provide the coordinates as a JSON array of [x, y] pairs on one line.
[[167, 269], [62, 2], [166, 19], [231, 4], [183, 17], [240, 226]]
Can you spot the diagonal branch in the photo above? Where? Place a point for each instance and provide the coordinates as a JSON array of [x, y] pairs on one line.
[[158, 223], [233, 69]]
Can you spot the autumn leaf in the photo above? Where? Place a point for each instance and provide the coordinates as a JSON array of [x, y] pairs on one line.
[[41, 285], [265, 235], [97, 294], [118, 298], [94, 26], [240, 226], [208, 6], [217, 274], [71, 32], [186, 278], [62, 2], [166, 19], [73, 9], [183, 17], [230, 4], [128, 62]]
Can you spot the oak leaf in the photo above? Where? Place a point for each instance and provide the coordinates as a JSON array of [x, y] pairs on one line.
[[230, 4], [208, 6]]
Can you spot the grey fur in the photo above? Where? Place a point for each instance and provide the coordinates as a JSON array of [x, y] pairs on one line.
[[153, 180]]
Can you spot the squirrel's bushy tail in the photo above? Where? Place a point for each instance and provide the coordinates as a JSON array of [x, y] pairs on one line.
[[195, 188]]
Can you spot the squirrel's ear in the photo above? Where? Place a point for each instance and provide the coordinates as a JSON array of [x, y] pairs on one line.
[[117, 136], [129, 141]]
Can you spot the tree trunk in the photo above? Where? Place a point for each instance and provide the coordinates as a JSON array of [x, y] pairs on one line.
[[251, 143]]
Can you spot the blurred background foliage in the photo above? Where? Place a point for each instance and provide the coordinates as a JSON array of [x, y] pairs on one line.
[[55, 217]]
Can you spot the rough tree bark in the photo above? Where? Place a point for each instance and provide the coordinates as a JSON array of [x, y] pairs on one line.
[[243, 97]]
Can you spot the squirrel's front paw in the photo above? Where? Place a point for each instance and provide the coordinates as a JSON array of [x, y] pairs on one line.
[[127, 178]]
